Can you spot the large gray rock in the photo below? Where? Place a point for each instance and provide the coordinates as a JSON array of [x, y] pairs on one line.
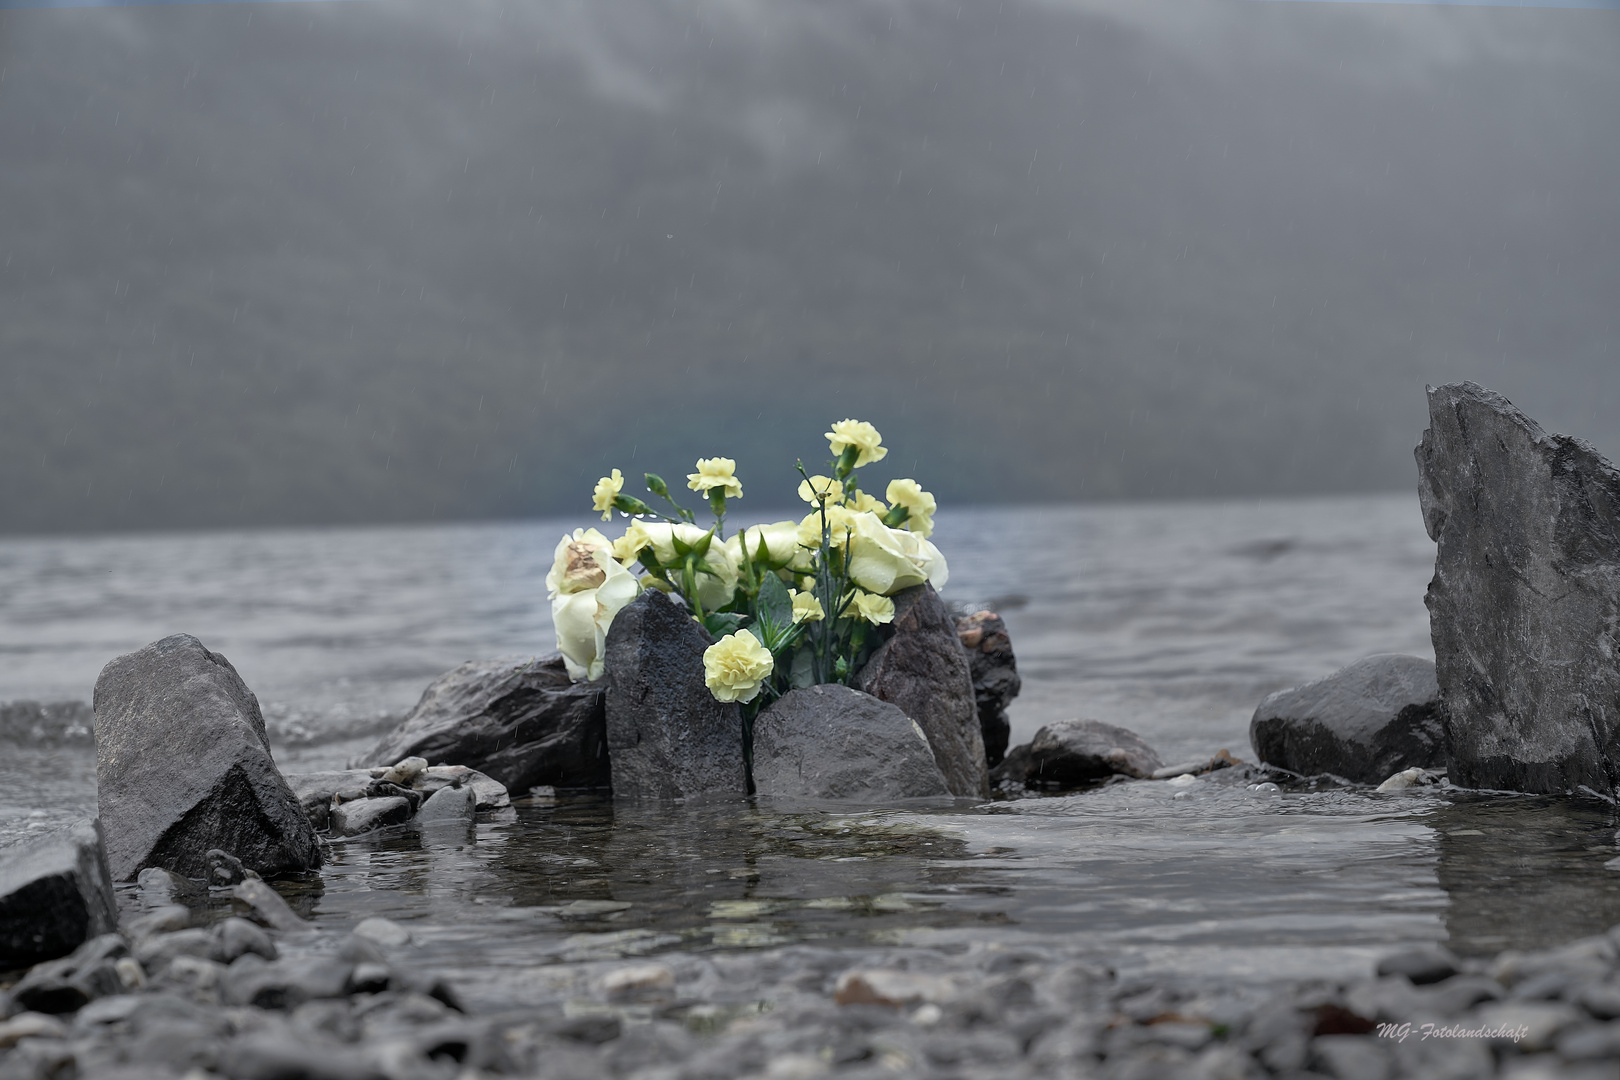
[[1365, 723], [183, 765], [1073, 752], [923, 669], [995, 678], [668, 737], [1524, 607], [834, 742], [55, 894], [518, 719]]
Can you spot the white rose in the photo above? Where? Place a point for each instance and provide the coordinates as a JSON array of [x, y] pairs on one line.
[[715, 590], [781, 545], [588, 587], [884, 560]]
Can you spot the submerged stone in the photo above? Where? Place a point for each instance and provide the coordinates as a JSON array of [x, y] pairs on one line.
[[1366, 722], [1524, 607], [55, 894], [834, 742], [183, 765], [518, 719], [668, 737], [923, 669], [1073, 752]]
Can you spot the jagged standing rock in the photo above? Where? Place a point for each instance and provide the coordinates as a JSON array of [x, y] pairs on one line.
[[1366, 722], [1524, 607], [923, 669], [55, 894], [1073, 752], [519, 719], [834, 742], [668, 736], [183, 765], [995, 678]]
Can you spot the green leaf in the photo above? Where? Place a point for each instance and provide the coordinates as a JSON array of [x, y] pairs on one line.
[[801, 673], [721, 623], [774, 605]]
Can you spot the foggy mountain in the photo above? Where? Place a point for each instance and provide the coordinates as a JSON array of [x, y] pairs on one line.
[[391, 260]]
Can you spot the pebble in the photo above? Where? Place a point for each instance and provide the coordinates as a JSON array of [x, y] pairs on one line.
[[1404, 779], [268, 906], [385, 932], [405, 772]]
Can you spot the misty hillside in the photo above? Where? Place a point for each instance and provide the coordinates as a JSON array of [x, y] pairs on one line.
[[370, 261]]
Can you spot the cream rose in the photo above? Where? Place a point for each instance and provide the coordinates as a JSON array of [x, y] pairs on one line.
[[735, 666], [588, 587], [884, 560], [782, 547]]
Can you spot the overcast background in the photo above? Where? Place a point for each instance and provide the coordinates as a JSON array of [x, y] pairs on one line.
[[389, 261]]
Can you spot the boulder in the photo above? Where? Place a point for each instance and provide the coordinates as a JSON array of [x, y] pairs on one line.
[[834, 742], [1524, 607], [1073, 752], [995, 678], [518, 719], [183, 765], [1364, 723], [668, 736], [55, 894], [922, 669]]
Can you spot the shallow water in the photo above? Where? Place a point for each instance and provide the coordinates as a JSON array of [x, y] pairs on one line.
[[1173, 620]]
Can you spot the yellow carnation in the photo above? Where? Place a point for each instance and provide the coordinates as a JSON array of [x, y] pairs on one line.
[[821, 488], [806, 608], [875, 609], [859, 434], [920, 505], [862, 503], [607, 489], [735, 666], [840, 519], [716, 472]]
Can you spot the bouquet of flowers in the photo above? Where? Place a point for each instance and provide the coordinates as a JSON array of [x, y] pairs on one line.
[[791, 604]]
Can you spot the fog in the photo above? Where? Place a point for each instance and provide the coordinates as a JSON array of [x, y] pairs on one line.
[[366, 261]]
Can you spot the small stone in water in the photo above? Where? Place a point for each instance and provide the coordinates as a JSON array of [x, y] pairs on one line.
[[1403, 779], [1264, 789], [405, 772], [639, 982], [384, 932], [1183, 780]]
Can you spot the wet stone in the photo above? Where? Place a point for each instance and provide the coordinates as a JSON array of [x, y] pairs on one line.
[[55, 893], [1073, 752], [268, 906], [834, 742], [368, 815], [1421, 964]]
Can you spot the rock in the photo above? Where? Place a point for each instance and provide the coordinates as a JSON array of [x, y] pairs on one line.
[[1072, 752], [160, 920], [226, 869], [1011, 774], [1422, 964], [1376, 717], [452, 806], [316, 791], [156, 952], [162, 888], [268, 906], [640, 982], [383, 931], [30, 1025], [68, 984], [1404, 779], [1525, 600], [490, 793], [923, 669], [286, 983], [519, 719], [405, 771], [833, 742], [667, 735], [879, 986], [367, 815], [995, 678], [234, 937], [183, 765], [55, 893]]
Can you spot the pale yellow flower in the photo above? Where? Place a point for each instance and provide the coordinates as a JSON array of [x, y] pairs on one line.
[[839, 519], [863, 503], [821, 488], [588, 587], [607, 489], [806, 608], [920, 505], [860, 434], [875, 609], [716, 472], [628, 546], [884, 560], [735, 667]]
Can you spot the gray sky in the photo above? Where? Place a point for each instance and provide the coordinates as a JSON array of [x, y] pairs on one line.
[[397, 260]]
